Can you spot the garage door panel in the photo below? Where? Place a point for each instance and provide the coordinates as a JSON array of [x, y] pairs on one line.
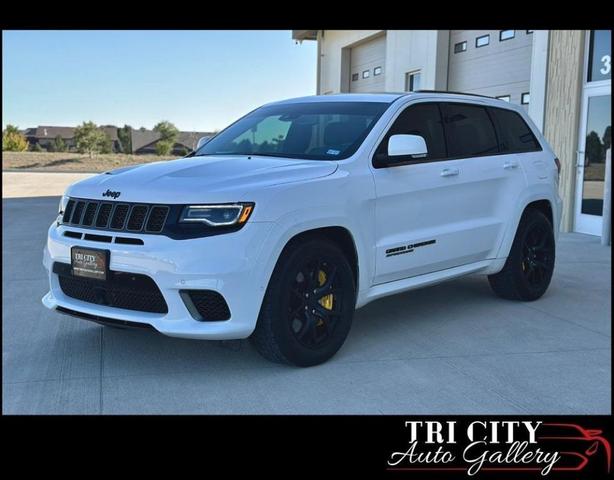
[[367, 57]]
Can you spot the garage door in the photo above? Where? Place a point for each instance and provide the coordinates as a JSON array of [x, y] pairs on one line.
[[490, 62], [367, 67]]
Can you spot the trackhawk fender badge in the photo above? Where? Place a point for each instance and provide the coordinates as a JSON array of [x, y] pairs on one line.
[[391, 252], [112, 194]]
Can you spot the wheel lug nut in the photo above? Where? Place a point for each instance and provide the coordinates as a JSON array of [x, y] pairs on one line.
[[306, 307], [313, 311]]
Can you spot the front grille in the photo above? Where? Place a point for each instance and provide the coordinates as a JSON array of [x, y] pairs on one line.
[[156, 220], [116, 215], [77, 213], [102, 220], [119, 216], [208, 304], [90, 211], [129, 291], [68, 211], [137, 217]]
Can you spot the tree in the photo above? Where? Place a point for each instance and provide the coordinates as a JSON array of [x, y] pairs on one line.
[[91, 140], [125, 138], [594, 149], [58, 144], [607, 137], [168, 136], [13, 140], [164, 147]]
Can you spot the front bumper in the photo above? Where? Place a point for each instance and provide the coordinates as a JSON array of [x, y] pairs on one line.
[[234, 265]]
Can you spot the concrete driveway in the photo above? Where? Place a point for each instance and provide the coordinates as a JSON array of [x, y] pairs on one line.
[[452, 348]]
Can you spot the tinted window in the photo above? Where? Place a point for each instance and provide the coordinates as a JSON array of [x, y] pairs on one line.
[[513, 132], [315, 131], [469, 130], [422, 119]]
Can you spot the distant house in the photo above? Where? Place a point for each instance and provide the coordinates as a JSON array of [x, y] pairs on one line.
[[144, 141], [45, 136]]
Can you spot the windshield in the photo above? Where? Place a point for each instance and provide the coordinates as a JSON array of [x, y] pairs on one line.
[[313, 131]]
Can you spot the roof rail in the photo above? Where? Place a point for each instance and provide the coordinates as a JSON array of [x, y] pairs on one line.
[[454, 93]]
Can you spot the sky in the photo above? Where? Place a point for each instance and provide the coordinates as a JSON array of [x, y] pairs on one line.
[[199, 80]]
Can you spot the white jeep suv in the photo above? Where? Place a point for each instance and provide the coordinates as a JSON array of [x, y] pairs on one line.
[[278, 227]]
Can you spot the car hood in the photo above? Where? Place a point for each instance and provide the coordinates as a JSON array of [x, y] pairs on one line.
[[198, 179]]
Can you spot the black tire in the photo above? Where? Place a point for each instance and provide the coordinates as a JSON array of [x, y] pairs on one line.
[[303, 330], [529, 266]]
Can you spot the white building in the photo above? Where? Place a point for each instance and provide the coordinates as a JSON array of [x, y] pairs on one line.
[[562, 77]]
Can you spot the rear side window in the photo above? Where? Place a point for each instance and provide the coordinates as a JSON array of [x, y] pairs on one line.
[[514, 134], [421, 119], [469, 130]]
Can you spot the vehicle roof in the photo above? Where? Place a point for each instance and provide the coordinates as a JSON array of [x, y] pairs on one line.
[[344, 97], [389, 97]]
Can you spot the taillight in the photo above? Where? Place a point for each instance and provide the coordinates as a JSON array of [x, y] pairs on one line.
[[558, 165]]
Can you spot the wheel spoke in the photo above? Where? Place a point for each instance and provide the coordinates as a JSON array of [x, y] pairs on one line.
[[307, 328], [317, 286]]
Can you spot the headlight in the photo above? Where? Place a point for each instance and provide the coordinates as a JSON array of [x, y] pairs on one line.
[[218, 215]]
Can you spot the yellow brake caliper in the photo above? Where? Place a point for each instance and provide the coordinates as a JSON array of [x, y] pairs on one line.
[[326, 301]]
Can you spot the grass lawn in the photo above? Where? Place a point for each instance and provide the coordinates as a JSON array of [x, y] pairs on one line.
[[72, 162]]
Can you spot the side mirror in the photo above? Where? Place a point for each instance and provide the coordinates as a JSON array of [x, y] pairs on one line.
[[412, 146], [202, 141]]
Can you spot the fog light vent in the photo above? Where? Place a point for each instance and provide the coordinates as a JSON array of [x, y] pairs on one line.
[[206, 305]]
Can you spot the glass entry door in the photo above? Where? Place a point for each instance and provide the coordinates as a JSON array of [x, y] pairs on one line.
[[595, 140]]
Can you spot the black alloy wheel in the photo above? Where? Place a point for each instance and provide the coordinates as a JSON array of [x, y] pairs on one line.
[[308, 307]]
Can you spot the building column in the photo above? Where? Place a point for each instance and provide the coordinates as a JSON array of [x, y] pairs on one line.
[[539, 77], [563, 109]]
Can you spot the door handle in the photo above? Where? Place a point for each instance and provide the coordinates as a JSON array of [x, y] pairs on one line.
[[510, 165], [449, 172]]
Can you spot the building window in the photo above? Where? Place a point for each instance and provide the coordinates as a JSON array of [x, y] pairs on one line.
[[525, 98], [377, 71], [366, 74], [354, 77], [482, 41], [505, 98], [460, 47], [600, 55], [529, 32], [506, 35], [412, 81]]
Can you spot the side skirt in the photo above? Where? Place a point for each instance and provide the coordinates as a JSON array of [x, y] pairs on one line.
[[390, 288]]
